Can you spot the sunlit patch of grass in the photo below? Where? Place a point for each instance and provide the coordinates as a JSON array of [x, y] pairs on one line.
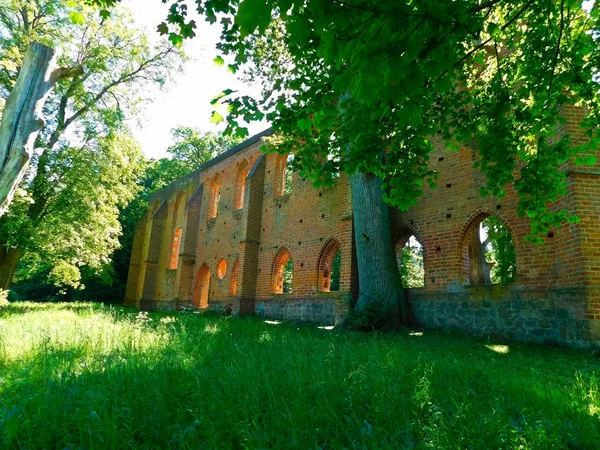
[[502, 349], [94, 377]]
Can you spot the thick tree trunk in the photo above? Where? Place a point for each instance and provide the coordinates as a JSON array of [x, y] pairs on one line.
[[22, 117], [9, 260], [380, 286]]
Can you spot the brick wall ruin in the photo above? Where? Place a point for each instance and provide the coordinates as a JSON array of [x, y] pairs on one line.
[[220, 237]]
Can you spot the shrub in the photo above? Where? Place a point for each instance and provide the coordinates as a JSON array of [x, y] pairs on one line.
[[3, 298]]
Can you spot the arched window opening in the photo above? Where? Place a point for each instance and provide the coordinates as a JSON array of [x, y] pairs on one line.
[[202, 288], [488, 252], [240, 189], [410, 263], [215, 198], [221, 269], [283, 272], [285, 174], [175, 249], [328, 277], [178, 205], [234, 277]]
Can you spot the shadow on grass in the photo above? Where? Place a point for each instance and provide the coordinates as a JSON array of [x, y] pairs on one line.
[[190, 381]]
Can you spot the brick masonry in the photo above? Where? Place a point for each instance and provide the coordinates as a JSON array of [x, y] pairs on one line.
[[554, 300]]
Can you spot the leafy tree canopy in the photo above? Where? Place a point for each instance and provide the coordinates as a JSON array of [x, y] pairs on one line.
[[192, 148], [87, 166], [364, 76]]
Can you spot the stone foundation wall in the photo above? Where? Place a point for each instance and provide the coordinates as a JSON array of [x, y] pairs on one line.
[[324, 311], [547, 316]]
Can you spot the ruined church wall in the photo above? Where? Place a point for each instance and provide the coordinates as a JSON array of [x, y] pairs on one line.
[[554, 298]]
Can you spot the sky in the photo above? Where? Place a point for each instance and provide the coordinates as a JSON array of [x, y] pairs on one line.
[[186, 99]]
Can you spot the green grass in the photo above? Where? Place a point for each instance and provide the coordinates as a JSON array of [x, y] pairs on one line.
[[91, 377]]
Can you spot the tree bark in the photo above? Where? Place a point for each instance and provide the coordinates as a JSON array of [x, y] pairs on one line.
[[22, 117], [9, 260], [380, 286]]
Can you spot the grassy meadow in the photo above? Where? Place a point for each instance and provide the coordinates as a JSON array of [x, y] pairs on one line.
[[84, 376]]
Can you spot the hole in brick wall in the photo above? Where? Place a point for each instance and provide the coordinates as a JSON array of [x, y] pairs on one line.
[[321, 239], [449, 185], [302, 265], [258, 270], [320, 194], [263, 229], [438, 249], [322, 216], [409, 257], [283, 269], [433, 280], [268, 171], [222, 171], [412, 221], [279, 206], [328, 267], [488, 252], [448, 216], [498, 206], [301, 220], [550, 234], [441, 158], [299, 242], [439, 132], [265, 210]]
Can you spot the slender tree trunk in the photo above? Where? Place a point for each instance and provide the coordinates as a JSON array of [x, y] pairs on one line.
[[380, 286], [9, 260]]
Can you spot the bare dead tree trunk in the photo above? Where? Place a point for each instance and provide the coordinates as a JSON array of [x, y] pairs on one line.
[[22, 118]]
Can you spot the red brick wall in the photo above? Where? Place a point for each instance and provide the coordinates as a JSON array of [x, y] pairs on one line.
[[306, 221]]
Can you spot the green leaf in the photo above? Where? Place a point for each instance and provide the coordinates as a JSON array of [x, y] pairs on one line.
[[216, 118], [163, 29], [77, 18], [219, 61], [493, 29], [253, 14]]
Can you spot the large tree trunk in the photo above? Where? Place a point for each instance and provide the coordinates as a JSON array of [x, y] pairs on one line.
[[9, 260], [381, 296], [22, 117]]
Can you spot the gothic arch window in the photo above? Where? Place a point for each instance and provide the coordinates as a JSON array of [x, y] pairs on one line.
[[215, 198], [240, 185], [202, 288], [283, 175], [488, 251], [221, 269], [411, 261], [283, 271], [234, 278], [177, 231], [174, 262], [328, 267]]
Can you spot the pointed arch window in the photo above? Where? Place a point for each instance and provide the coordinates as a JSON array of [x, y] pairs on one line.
[[240, 187], [215, 198], [283, 272]]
